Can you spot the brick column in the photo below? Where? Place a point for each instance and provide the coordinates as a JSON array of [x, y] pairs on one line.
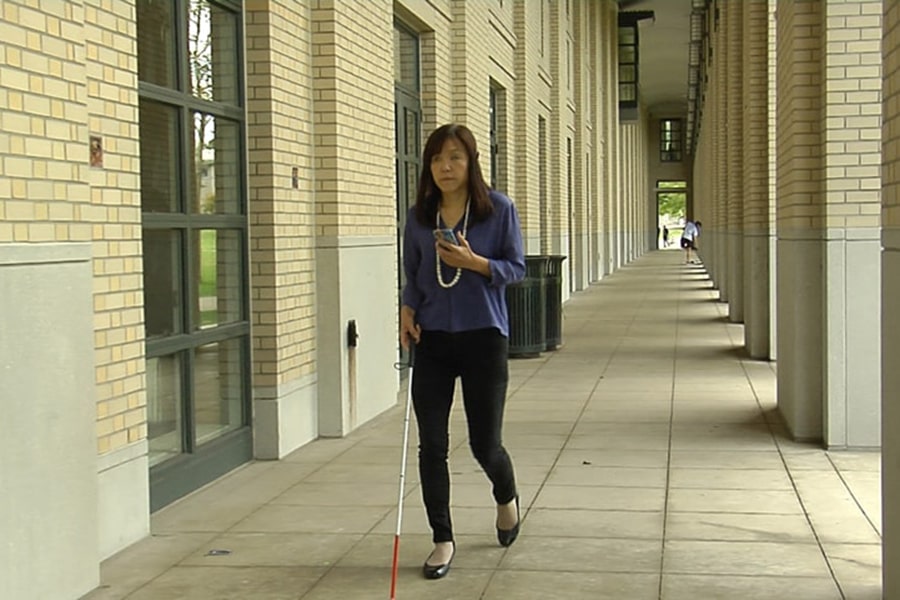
[[773, 179], [700, 198], [582, 89], [613, 148], [558, 132], [735, 158], [800, 219], [596, 179], [282, 235], [70, 319], [718, 97], [852, 221], [890, 296], [628, 164], [525, 132], [355, 216], [828, 219], [756, 178]]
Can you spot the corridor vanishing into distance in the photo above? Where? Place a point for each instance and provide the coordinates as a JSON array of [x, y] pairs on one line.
[[651, 465]]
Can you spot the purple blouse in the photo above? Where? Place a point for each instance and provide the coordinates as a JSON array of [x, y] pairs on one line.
[[475, 302]]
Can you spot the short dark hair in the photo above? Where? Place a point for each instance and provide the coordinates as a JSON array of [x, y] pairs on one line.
[[429, 194]]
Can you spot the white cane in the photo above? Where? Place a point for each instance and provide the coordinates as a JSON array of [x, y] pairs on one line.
[[409, 384]]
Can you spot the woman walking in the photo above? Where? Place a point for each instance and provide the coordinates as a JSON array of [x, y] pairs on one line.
[[462, 246]]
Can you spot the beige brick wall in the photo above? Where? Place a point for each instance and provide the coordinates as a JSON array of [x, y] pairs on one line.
[[354, 138], [705, 171], [282, 252], [609, 53], [44, 135], [115, 217], [316, 79], [582, 84], [890, 274], [853, 113], [481, 37], [437, 61], [501, 70], [891, 129], [772, 113], [609, 30], [800, 115], [719, 99], [703, 181], [755, 172], [635, 196], [69, 73], [561, 128], [531, 101], [734, 36], [594, 93]]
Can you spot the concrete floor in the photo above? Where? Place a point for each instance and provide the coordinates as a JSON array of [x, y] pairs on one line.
[[651, 465]]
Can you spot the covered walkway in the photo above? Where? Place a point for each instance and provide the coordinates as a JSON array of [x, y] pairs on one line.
[[651, 465]]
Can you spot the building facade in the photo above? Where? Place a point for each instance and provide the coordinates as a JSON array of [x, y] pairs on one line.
[[202, 199], [202, 202]]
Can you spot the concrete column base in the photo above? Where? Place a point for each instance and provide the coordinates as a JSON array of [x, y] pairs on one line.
[[48, 434], [890, 414], [285, 418], [355, 384], [800, 337], [756, 295], [853, 339], [736, 277], [123, 498]]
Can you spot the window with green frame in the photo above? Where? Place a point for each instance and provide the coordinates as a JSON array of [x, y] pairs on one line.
[[628, 64], [671, 135], [194, 222]]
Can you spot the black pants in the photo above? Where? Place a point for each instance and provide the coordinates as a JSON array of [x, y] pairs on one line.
[[480, 359]]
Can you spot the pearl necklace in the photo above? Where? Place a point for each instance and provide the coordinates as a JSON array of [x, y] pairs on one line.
[[437, 256]]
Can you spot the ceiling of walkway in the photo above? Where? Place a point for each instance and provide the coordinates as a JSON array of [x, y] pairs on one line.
[[663, 54]]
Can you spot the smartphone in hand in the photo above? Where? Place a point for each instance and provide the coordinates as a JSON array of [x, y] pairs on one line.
[[446, 235]]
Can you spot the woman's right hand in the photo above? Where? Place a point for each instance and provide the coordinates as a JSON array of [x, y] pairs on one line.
[[408, 327]]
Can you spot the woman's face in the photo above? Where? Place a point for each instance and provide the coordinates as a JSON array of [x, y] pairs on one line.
[[450, 167]]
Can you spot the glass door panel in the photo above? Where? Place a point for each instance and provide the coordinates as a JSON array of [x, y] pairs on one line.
[[156, 43], [160, 155], [163, 276], [215, 176], [165, 427], [218, 292], [218, 389], [213, 52], [194, 207]]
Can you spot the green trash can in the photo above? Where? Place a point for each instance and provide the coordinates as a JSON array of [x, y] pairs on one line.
[[526, 302], [553, 293]]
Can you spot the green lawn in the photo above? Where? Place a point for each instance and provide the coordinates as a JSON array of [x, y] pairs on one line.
[[207, 263], [207, 285]]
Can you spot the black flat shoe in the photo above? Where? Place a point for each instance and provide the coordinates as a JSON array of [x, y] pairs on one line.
[[438, 571], [507, 536]]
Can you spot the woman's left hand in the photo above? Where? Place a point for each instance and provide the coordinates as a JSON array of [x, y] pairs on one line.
[[456, 255], [461, 256]]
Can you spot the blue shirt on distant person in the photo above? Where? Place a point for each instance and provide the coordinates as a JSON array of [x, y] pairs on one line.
[[476, 302]]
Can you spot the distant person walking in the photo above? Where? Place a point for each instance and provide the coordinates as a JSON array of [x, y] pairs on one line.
[[689, 239], [665, 236]]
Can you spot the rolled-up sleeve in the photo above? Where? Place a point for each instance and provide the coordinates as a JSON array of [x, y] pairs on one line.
[[509, 267], [412, 257]]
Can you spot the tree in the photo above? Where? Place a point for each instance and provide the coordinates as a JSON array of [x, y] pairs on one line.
[[672, 204], [200, 56]]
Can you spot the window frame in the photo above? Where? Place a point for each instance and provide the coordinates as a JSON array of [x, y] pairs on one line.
[[198, 461], [671, 140]]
